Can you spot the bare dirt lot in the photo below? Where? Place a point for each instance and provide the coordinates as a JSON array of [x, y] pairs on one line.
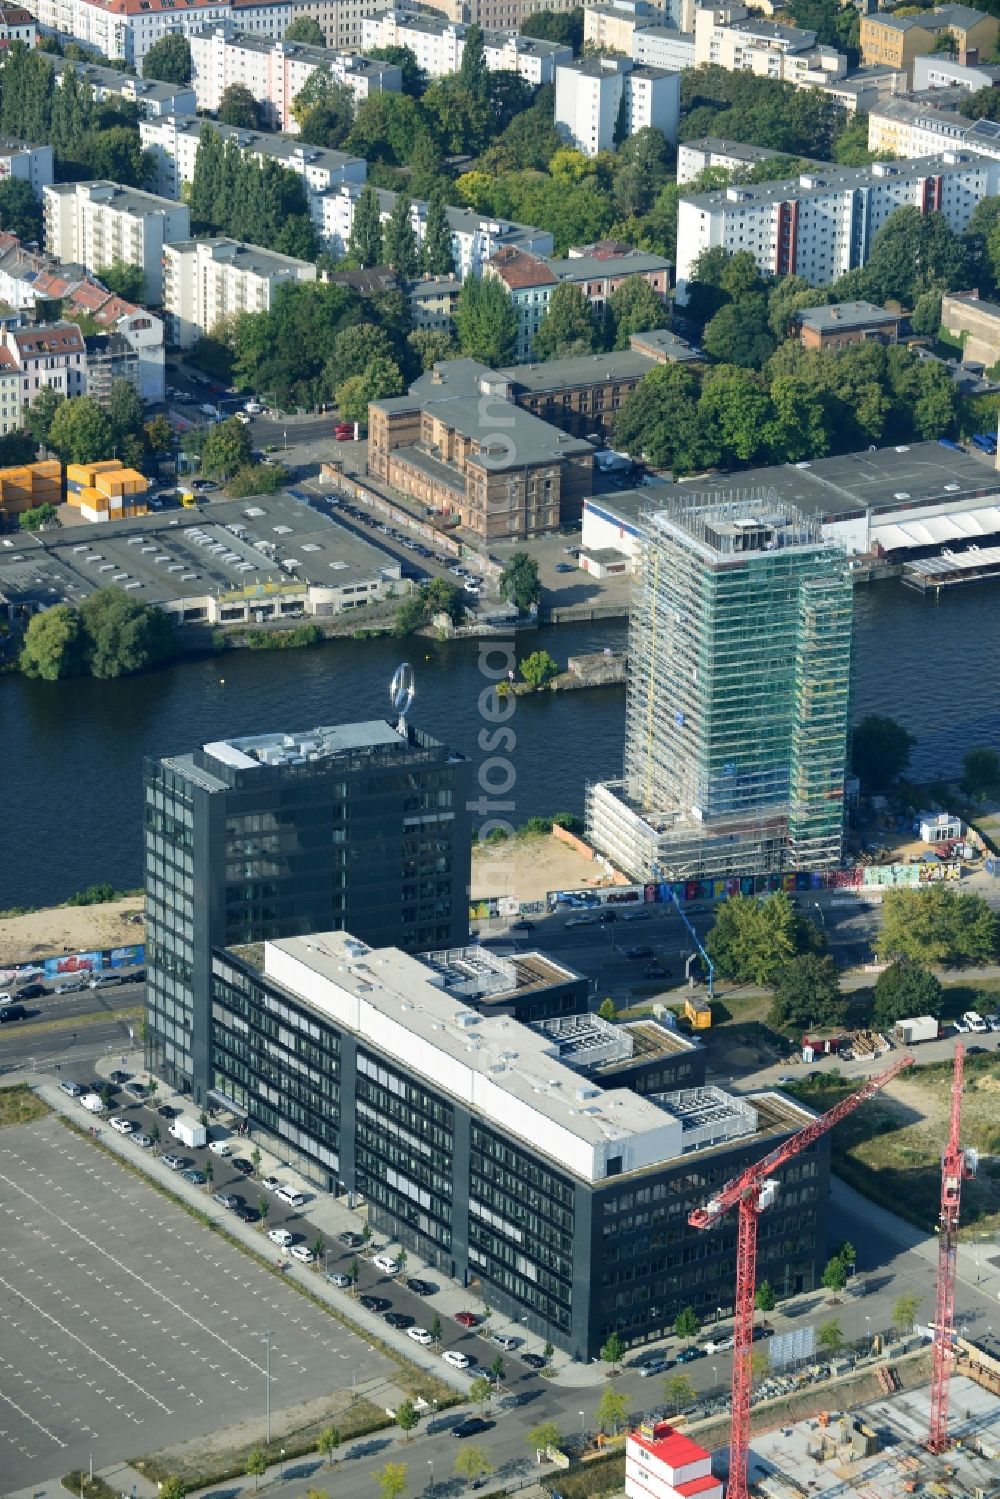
[[529, 866], [69, 929]]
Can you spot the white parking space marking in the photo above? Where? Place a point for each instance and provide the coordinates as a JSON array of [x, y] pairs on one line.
[[26, 1416]]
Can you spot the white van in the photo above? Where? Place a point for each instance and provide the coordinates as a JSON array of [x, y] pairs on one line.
[[92, 1102], [975, 1022], [290, 1195]]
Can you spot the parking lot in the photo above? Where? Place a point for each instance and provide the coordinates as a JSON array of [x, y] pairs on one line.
[[126, 1325]]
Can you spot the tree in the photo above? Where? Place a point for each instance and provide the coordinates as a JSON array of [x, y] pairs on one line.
[[255, 1159], [612, 1411], [568, 327], [543, 1436], [391, 1481], [169, 59], [519, 583], [497, 1370], [752, 939], [472, 1463], [125, 409], [834, 1276], [407, 1418], [880, 751], [436, 1328], [37, 517], [238, 107], [538, 669], [365, 243], [764, 1298], [20, 210], [354, 1272], [740, 334], [687, 1324], [404, 58], [226, 448], [154, 1134], [807, 993], [486, 320], [209, 1175], [80, 431], [381, 378], [904, 1312], [123, 635], [659, 421], [124, 280], [937, 925], [327, 1443], [263, 1208], [472, 75], [556, 26], [319, 1249], [480, 1390], [735, 410], [980, 771], [438, 248], [305, 29], [608, 1010], [634, 307], [906, 989], [400, 249], [613, 1351], [829, 1336], [171, 1488], [256, 1466], [547, 1352], [678, 1392]]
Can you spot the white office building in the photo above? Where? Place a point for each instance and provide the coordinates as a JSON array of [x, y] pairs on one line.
[[276, 72], [94, 224], [173, 144], [128, 28], [26, 163], [601, 98], [438, 45], [206, 280], [821, 224]]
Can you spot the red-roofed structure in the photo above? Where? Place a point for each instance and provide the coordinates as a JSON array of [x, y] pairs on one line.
[[663, 1463]]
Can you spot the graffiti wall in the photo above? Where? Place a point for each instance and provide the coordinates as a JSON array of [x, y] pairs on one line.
[[70, 965]]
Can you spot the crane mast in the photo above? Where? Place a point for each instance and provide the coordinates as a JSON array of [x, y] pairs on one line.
[[751, 1192], [956, 1166]]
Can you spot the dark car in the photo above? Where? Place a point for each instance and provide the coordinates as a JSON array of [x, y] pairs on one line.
[[523, 925], [565, 567], [533, 1360], [245, 1214], [118, 1076], [655, 971], [240, 1163], [12, 1012], [375, 1303], [688, 1355], [351, 1239], [32, 991], [138, 976], [398, 1319], [195, 1177], [421, 1287], [137, 1090], [636, 953], [167, 1111], [472, 1426]]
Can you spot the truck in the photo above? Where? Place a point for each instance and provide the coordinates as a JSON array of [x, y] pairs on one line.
[[93, 1103], [189, 1132], [917, 1028]]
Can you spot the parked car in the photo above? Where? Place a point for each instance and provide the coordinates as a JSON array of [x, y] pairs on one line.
[[226, 1200], [654, 1366], [467, 1319], [387, 1263], [339, 1279], [240, 1163], [505, 1341], [246, 1214], [636, 954], [280, 1236], [421, 1287], [219, 1147], [399, 1320], [123, 1126], [32, 991], [420, 1335], [120, 1077], [472, 1426], [302, 1253], [720, 1345], [73, 1090], [377, 1304], [582, 921], [688, 1355], [351, 1239], [271, 1183], [456, 1358], [145, 1141], [175, 1162], [533, 1360], [136, 1090], [523, 925], [195, 1177]]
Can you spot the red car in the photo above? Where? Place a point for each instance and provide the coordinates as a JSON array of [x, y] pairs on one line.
[[467, 1319], [344, 431]]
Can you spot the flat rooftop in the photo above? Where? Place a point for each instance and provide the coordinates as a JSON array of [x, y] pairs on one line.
[[844, 315], [585, 369], [825, 179], [477, 973], [504, 1071], [592, 1045], [287, 149]]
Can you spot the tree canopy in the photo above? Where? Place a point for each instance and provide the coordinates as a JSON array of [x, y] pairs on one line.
[[20, 210], [751, 940], [937, 924], [807, 993], [109, 634], [906, 989], [169, 59], [239, 107], [880, 751], [305, 29], [259, 201], [486, 320], [80, 431], [519, 583]]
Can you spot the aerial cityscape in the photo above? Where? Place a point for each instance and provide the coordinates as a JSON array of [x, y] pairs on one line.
[[500, 679]]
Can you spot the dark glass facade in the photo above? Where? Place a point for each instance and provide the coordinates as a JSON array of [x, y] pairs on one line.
[[372, 837], [571, 1258]]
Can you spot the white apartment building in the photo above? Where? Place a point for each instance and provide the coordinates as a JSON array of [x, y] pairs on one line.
[[206, 280], [26, 163], [474, 238], [734, 38], [10, 394], [822, 223], [128, 28], [663, 47], [937, 70], [438, 45], [912, 126], [17, 25], [96, 223], [173, 144], [48, 355], [150, 97], [590, 94], [695, 157], [610, 25], [276, 72]]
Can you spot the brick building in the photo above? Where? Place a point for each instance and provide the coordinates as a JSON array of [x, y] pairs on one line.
[[843, 323]]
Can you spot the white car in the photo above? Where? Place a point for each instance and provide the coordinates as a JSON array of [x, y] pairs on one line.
[[253, 408], [962, 1027], [280, 1236], [455, 1359], [241, 416], [387, 1264], [720, 1345], [220, 1147], [6, 999], [339, 1279], [582, 921], [123, 1126], [420, 1335], [303, 1254]]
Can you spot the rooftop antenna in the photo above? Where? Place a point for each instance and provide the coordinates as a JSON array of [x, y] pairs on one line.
[[401, 693]]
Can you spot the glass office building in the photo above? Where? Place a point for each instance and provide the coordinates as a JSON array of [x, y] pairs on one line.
[[361, 826]]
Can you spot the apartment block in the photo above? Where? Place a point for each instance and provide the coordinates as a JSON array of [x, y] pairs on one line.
[[922, 125], [26, 163], [96, 223], [362, 826], [173, 143], [497, 15], [611, 25], [935, 70], [601, 101], [527, 1162], [899, 40], [128, 28], [276, 72], [48, 356], [475, 237], [11, 410], [735, 38], [339, 20], [530, 280], [737, 767], [822, 223], [150, 97], [663, 47], [438, 45], [17, 25], [695, 157], [206, 280], [459, 445]]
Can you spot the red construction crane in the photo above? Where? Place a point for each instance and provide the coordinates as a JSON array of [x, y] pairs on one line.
[[751, 1192], [956, 1165]]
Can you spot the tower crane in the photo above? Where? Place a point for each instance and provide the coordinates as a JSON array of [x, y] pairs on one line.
[[957, 1165], [754, 1190]]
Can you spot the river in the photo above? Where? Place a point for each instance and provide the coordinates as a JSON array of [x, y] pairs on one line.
[[73, 751]]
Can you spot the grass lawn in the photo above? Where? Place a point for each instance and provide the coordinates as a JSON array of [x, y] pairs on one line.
[[890, 1148], [20, 1106]]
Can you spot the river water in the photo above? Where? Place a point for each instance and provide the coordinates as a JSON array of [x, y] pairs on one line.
[[72, 751]]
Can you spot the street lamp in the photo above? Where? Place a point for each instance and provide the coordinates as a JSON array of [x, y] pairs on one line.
[[430, 1464], [282, 1462], [715, 1373], [581, 1422]]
